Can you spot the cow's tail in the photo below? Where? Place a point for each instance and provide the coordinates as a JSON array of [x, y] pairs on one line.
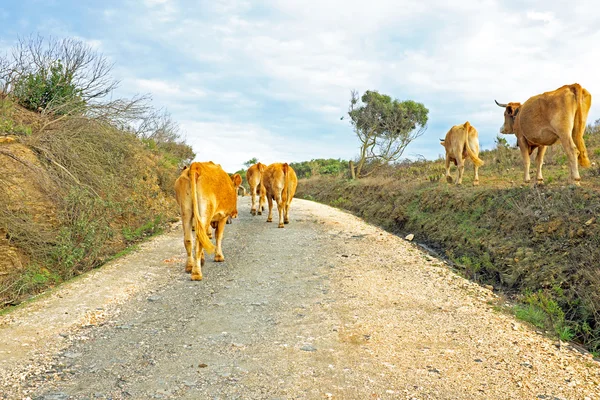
[[579, 128], [200, 230], [286, 182], [476, 160]]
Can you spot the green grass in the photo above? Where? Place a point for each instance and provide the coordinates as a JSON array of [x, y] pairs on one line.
[[532, 314]]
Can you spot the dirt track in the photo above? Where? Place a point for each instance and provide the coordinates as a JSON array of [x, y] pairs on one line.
[[328, 307]]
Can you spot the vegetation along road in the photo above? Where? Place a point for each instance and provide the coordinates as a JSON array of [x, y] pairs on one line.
[[327, 308]]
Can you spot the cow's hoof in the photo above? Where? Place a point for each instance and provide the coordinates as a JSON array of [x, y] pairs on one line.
[[196, 277], [269, 219], [188, 268], [475, 183], [259, 213], [253, 212], [540, 182], [287, 221], [449, 179], [280, 225], [219, 258]]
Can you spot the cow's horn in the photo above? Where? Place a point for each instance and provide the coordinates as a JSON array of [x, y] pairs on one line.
[[501, 105]]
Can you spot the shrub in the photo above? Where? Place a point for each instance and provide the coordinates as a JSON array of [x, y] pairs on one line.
[[48, 88]]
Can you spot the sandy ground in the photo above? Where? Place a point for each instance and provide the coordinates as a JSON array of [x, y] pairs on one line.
[[327, 308]]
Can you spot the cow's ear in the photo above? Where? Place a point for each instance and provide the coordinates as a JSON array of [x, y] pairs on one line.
[[516, 111], [509, 110], [237, 179]]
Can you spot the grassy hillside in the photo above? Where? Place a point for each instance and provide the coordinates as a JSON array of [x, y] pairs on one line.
[[74, 193], [541, 244]]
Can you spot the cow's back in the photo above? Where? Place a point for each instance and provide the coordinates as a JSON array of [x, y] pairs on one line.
[[254, 175], [214, 185], [552, 111], [273, 179]]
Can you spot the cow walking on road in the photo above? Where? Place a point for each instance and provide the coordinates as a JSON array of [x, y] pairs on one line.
[[257, 189], [207, 196], [280, 183]]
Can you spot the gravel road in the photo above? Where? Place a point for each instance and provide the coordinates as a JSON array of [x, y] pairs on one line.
[[327, 308]]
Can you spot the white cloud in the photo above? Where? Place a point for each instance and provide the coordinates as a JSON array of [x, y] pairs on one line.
[[455, 57]]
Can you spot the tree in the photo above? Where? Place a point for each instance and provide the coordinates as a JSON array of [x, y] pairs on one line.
[[384, 127], [251, 162]]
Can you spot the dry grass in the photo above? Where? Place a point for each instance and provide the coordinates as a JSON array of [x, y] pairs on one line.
[[72, 196]]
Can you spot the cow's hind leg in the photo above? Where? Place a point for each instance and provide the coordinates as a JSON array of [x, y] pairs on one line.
[[261, 200], [270, 203], [539, 161], [461, 170], [572, 154], [280, 207], [286, 213], [476, 177], [253, 207], [219, 236], [187, 242], [197, 269]]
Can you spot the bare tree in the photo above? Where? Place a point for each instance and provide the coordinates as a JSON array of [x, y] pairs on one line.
[[74, 74], [159, 126]]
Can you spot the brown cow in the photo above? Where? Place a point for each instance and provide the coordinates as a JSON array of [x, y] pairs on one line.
[[546, 118], [280, 183], [207, 197], [461, 142], [254, 178]]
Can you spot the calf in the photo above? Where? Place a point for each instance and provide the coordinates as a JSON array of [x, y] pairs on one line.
[[461, 142]]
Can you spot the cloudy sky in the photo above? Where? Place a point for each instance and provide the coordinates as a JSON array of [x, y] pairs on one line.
[[271, 79]]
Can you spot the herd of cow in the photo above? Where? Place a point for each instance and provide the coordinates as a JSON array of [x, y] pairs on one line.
[[207, 197], [541, 121]]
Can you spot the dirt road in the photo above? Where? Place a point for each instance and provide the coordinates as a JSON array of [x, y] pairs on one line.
[[327, 308]]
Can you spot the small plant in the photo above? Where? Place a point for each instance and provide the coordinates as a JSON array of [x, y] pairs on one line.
[[564, 333], [340, 202], [532, 314], [150, 228]]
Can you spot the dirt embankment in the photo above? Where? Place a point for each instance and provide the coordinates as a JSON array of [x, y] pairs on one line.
[[328, 307], [24, 185], [71, 197]]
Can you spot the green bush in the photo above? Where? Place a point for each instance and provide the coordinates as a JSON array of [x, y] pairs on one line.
[[48, 88]]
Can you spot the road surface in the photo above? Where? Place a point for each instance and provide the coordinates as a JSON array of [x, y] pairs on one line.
[[327, 308]]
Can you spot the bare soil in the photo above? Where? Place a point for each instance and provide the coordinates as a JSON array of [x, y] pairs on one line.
[[329, 307]]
